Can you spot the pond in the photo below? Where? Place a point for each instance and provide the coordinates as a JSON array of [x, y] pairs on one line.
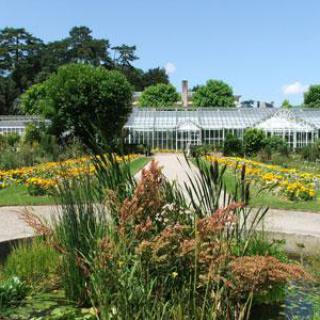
[[302, 302]]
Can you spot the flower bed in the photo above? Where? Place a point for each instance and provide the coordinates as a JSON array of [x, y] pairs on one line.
[[42, 178], [294, 184]]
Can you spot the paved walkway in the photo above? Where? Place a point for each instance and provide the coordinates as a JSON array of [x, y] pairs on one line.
[[296, 227]]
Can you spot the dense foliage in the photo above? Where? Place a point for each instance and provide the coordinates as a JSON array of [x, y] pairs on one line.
[[253, 141], [35, 147], [213, 94], [32, 262], [12, 292], [312, 97], [26, 60], [82, 99], [160, 95], [232, 145]]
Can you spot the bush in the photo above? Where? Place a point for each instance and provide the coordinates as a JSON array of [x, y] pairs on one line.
[[232, 146], [273, 146], [32, 261], [12, 139], [12, 292], [32, 134], [159, 95], [253, 141], [203, 150], [311, 152]]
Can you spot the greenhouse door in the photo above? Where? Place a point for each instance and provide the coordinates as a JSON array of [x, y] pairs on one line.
[[188, 134]]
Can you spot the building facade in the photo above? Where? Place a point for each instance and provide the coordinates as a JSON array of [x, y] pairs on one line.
[[180, 128]]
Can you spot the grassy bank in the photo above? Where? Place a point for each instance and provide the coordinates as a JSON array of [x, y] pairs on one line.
[[17, 195]]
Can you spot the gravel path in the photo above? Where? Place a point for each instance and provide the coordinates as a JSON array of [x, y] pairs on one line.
[[296, 227]]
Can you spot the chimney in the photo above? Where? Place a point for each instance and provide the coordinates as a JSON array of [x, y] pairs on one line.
[[184, 93]]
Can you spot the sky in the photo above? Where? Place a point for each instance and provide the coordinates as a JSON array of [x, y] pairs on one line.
[[266, 50]]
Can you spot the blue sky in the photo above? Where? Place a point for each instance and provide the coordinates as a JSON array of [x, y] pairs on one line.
[[268, 50]]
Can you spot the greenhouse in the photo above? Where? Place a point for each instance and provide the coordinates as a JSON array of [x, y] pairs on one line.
[[17, 124], [179, 129]]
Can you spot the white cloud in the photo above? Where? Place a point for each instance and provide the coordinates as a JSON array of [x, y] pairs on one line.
[[170, 68], [294, 88]]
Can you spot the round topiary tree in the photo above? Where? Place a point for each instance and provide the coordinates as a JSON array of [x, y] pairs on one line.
[[312, 97], [214, 94], [83, 100], [159, 95]]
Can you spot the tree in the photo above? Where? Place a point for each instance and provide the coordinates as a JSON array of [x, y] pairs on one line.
[[134, 76], [253, 141], [159, 95], [83, 48], [83, 100], [286, 104], [214, 94], [16, 46], [312, 97], [155, 76], [20, 55], [8, 94], [126, 55]]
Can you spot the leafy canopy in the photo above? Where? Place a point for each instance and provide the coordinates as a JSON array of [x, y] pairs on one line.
[[160, 95], [26, 60], [214, 94], [312, 97], [82, 99]]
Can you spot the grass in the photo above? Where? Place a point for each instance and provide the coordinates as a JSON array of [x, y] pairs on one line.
[[268, 199], [17, 195]]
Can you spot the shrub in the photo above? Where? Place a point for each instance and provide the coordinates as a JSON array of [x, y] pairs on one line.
[[13, 139], [253, 141], [198, 151], [32, 262], [273, 146], [32, 134], [232, 146], [12, 292], [311, 152], [159, 95]]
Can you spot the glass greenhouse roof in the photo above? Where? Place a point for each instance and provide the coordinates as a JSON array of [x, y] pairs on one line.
[[18, 121], [204, 118], [230, 118], [286, 120]]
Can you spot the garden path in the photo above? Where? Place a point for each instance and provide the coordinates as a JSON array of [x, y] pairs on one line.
[[294, 226]]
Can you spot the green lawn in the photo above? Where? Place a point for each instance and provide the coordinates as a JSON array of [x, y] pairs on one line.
[[17, 195], [268, 199]]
